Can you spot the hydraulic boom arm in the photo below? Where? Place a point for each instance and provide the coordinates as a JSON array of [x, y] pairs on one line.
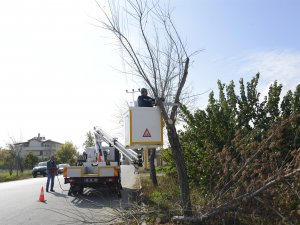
[[102, 136]]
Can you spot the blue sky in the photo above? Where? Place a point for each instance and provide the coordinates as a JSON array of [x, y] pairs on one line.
[[241, 38], [57, 70]]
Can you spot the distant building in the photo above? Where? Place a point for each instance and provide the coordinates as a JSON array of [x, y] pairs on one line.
[[39, 146]]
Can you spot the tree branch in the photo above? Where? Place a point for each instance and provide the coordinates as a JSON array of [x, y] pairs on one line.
[[181, 84], [236, 201]]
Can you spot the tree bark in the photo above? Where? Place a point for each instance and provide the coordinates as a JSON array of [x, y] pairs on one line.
[[152, 166], [181, 169], [17, 161]]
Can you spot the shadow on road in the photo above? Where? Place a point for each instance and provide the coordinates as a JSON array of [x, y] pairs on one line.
[[57, 194], [94, 206], [104, 197]]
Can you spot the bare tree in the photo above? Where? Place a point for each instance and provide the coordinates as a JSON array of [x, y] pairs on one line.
[[159, 59], [15, 152]]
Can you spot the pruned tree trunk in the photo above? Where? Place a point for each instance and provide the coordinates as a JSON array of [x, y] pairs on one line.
[[181, 169], [17, 164], [176, 146], [152, 167], [10, 169], [21, 165]]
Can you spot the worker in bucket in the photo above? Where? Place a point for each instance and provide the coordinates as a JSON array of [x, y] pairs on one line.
[[51, 172], [144, 100]]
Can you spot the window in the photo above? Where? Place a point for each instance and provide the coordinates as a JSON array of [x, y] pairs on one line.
[[46, 144], [41, 152]]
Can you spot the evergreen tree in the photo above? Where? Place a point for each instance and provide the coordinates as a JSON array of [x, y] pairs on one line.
[[90, 140], [248, 104], [286, 105], [30, 160], [273, 101], [296, 100], [67, 153]]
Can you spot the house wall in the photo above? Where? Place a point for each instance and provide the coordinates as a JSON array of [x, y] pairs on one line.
[[51, 145], [35, 143], [40, 149]]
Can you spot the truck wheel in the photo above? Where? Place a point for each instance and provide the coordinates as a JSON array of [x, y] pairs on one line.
[[118, 190], [81, 190], [119, 194], [71, 190], [34, 175]]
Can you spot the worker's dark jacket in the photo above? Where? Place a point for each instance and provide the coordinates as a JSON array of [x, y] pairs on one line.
[[51, 167], [145, 101]]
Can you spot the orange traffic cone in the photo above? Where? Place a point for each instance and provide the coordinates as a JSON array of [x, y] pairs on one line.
[[42, 198]]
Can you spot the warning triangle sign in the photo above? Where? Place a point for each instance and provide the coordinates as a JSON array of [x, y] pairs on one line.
[[146, 133]]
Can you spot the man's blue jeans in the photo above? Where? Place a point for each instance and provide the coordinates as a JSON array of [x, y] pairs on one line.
[[50, 177]]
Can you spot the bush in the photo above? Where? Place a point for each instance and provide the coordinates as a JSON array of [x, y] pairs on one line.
[[30, 160], [165, 195]]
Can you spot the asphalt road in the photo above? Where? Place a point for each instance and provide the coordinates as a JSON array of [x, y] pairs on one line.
[[19, 205]]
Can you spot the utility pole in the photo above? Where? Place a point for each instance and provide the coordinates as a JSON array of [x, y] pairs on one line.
[[132, 93], [146, 150]]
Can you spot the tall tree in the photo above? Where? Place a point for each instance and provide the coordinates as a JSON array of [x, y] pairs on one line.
[[67, 153], [232, 98], [160, 61], [90, 140], [273, 101], [15, 154], [7, 158], [286, 104], [30, 160], [248, 102], [257, 170], [296, 100]]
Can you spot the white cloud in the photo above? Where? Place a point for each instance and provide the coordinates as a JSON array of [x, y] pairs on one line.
[[280, 65]]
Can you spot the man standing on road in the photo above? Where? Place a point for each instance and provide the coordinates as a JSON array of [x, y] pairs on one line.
[[51, 170]]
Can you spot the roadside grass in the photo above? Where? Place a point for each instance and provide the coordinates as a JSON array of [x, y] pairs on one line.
[[165, 198], [165, 195], [163, 202], [5, 176], [143, 170]]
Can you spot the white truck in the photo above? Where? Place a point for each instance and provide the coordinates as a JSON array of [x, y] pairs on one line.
[[101, 164]]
